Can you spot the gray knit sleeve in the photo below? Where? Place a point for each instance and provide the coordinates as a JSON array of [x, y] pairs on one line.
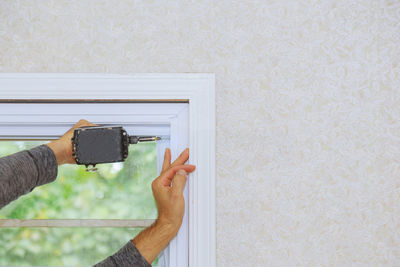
[[21, 172], [127, 256]]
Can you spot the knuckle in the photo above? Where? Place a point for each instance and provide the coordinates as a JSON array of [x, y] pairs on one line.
[[176, 168], [154, 184]]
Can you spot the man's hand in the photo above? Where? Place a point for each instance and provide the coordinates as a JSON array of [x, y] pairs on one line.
[[168, 190], [168, 194], [62, 147]]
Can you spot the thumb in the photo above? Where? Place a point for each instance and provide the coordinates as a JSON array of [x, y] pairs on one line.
[[179, 181]]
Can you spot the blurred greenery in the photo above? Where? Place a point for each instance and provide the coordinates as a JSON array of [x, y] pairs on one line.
[[60, 246], [115, 191]]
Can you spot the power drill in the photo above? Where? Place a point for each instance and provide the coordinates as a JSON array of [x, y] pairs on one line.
[[92, 145]]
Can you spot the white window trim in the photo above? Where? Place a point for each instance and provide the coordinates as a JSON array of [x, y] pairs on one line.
[[197, 89], [49, 121]]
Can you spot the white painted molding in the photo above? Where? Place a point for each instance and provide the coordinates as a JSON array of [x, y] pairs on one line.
[[197, 89]]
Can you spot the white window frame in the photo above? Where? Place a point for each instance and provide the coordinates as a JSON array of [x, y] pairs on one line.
[[195, 244]]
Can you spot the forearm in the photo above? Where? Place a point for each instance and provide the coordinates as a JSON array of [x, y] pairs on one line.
[[143, 250], [127, 256], [21, 172], [152, 240]]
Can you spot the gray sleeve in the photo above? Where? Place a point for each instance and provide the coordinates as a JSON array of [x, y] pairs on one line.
[[127, 256], [21, 172]]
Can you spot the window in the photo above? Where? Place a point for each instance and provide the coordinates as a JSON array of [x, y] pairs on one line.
[[179, 107]]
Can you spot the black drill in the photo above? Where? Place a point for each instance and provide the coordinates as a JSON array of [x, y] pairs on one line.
[[92, 145]]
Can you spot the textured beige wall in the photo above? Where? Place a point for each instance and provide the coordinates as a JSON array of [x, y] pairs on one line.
[[308, 116]]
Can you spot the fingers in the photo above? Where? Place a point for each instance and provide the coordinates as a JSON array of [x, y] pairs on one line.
[[80, 123], [167, 160], [178, 182], [166, 178], [83, 122], [183, 157]]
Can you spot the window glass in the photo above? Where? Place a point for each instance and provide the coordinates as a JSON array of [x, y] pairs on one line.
[[115, 191], [60, 246]]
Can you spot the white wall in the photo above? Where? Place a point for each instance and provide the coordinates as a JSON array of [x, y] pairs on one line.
[[308, 109]]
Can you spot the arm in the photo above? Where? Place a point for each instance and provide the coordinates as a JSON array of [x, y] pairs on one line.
[[168, 194], [21, 172]]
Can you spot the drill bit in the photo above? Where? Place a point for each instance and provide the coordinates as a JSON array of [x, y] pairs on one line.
[[148, 138], [136, 139]]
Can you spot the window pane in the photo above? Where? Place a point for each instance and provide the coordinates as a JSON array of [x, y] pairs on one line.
[[115, 191], [60, 246]]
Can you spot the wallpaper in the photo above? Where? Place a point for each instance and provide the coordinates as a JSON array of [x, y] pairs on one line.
[[308, 109]]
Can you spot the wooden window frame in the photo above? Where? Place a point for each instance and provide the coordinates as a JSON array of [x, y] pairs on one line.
[[195, 244]]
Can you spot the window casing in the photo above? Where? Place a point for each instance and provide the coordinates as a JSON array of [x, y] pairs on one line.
[[180, 106]]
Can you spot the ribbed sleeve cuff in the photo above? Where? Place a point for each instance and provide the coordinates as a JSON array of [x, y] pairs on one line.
[[46, 163]]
